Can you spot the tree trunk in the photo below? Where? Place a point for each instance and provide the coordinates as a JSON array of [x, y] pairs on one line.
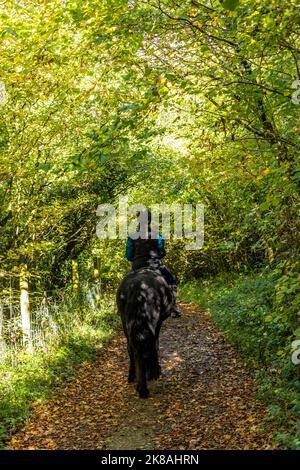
[[2, 342]]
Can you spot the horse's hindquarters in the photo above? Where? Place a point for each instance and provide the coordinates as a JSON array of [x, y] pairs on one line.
[[143, 300]]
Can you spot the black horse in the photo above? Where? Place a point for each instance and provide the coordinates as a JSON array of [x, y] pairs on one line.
[[144, 301]]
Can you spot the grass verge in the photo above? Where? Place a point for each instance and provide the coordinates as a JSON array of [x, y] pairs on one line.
[[34, 377]]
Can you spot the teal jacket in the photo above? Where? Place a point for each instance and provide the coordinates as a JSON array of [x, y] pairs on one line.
[[130, 247]]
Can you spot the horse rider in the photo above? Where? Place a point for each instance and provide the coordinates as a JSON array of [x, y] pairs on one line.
[[148, 253]]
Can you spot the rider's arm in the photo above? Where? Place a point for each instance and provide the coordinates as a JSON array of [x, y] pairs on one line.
[[161, 246], [129, 249]]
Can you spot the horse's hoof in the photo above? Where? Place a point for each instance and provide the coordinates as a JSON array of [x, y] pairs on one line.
[[144, 393]]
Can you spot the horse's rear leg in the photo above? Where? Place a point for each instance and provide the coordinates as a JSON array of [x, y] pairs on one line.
[[154, 369], [131, 373], [141, 377]]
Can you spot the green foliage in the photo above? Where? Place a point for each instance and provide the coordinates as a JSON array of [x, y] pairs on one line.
[[244, 314], [230, 4]]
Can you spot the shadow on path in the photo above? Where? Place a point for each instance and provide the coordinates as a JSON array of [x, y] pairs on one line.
[[204, 400]]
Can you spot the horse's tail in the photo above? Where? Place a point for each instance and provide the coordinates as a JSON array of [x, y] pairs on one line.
[[141, 332]]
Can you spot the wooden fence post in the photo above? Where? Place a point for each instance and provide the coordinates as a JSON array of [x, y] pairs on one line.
[[25, 307], [97, 279], [75, 276]]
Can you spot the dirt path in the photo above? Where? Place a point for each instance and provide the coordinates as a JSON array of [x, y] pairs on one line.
[[204, 400]]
